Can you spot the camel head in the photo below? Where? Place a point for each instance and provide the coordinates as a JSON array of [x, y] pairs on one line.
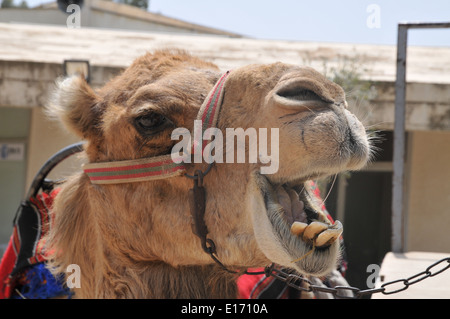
[[258, 210]]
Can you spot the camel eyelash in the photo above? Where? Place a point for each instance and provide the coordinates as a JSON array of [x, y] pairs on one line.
[[151, 124]]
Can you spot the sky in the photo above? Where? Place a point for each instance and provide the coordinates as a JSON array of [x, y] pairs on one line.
[[345, 21]]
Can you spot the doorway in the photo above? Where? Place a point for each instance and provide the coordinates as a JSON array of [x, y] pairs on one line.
[[14, 128]]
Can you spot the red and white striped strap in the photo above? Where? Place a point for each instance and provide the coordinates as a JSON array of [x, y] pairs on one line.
[[158, 167], [138, 170]]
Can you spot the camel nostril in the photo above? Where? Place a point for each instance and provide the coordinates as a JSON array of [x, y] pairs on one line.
[[300, 91], [299, 94]]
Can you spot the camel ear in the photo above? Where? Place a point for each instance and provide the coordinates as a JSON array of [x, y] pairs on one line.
[[75, 104]]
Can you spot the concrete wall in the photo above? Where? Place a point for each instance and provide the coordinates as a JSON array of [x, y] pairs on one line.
[[28, 84], [41, 16], [428, 201], [88, 18], [46, 138], [427, 107]]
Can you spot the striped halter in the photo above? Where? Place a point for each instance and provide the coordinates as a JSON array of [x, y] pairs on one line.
[[158, 167]]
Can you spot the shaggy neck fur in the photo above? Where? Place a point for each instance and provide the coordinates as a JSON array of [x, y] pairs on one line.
[[160, 280], [117, 264]]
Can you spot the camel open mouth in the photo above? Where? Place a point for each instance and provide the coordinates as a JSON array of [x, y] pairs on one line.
[[302, 236]]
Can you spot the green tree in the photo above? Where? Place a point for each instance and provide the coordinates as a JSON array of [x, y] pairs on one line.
[[10, 4], [143, 4], [7, 4]]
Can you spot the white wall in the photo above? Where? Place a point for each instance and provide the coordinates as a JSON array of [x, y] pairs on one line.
[[428, 220]]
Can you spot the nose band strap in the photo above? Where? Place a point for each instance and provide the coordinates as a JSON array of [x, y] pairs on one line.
[[138, 170]]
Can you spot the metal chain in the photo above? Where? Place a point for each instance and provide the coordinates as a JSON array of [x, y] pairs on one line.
[[303, 284]]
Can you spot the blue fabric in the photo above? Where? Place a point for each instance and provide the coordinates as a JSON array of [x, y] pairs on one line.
[[38, 283]]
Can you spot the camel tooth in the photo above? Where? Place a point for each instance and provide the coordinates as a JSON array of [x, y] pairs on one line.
[[297, 228], [327, 237], [313, 230]]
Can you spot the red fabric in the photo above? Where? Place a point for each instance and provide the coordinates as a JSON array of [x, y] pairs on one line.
[[43, 203], [252, 286], [246, 283], [6, 266]]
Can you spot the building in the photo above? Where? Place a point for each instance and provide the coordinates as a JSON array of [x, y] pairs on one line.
[[107, 15], [31, 58]]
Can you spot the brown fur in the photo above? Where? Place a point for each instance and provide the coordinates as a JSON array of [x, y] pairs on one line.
[[135, 240]]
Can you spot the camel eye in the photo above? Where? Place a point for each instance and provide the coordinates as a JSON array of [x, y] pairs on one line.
[[151, 123]]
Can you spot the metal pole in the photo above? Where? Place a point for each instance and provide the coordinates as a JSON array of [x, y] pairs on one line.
[[399, 142], [398, 226]]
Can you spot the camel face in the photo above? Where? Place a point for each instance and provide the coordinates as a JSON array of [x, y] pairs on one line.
[[253, 218], [318, 136]]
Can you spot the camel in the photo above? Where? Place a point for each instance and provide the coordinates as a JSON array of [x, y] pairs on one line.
[[135, 238]]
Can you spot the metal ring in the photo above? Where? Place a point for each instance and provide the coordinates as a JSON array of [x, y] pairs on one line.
[[204, 173], [211, 249], [404, 281]]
